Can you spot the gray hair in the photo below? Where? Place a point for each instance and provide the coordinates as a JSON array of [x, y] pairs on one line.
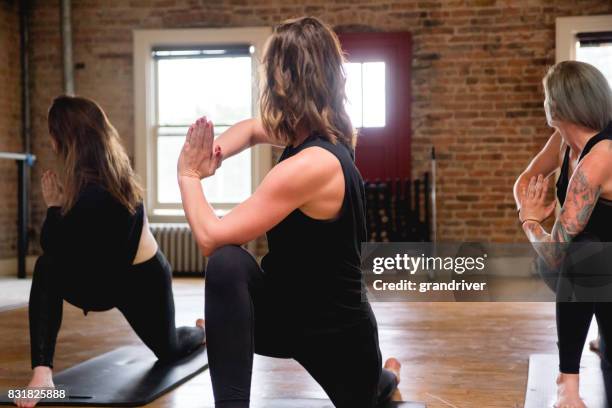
[[578, 93]]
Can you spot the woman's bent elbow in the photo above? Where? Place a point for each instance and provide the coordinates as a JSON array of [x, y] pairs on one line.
[[207, 246], [206, 249]]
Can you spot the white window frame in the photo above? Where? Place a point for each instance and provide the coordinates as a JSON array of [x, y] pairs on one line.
[[145, 104], [566, 30], [568, 27]]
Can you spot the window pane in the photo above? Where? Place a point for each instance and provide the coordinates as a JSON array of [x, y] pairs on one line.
[[373, 74], [365, 90], [219, 88], [187, 88], [353, 93], [168, 149], [231, 183], [600, 56]]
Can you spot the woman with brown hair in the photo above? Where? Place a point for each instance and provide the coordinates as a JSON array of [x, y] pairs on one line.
[[98, 250], [306, 301]]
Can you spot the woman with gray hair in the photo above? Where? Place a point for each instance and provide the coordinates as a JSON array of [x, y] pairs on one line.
[[578, 105]]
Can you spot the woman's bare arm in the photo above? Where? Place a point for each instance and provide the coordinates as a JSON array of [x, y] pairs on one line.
[[241, 136], [289, 185], [583, 192], [545, 163]]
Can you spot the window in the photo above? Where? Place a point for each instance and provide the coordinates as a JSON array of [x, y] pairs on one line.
[[192, 83], [365, 92], [596, 49], [187, 74], [585, 39]]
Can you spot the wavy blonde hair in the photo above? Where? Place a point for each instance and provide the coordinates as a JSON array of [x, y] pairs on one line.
[[303, 83], [90, 151]]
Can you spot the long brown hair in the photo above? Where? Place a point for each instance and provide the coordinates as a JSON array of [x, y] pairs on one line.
[[90, 151], [304, 81]]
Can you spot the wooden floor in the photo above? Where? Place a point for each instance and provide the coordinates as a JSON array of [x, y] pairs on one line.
[[454, 354]]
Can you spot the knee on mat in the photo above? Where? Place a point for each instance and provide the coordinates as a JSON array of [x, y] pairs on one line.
[[228, 265]]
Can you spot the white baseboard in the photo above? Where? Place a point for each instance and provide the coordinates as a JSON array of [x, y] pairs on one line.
[[8, 267]]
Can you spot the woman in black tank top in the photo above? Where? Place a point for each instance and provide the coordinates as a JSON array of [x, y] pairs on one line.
[[579, 106], [305, 301]]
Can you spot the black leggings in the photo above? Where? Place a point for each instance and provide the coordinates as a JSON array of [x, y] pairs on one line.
[[242, 319], [143, 294], [573, 321], [582, 279]]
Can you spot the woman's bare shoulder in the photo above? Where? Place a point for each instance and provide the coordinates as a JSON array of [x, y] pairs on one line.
[[309, 169]]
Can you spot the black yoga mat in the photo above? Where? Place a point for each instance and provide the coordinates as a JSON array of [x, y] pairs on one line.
[[127, 376], [542, 389], [319, 403]]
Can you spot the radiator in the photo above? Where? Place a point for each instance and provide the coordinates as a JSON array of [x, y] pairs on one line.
[[180, 248]]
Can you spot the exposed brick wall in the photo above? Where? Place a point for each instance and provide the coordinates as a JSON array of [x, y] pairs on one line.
[[45, 83], [476, 80], [10, 123]]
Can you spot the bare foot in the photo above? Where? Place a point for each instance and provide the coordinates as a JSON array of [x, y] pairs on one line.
[[393, 365], [594, 345], [42, 379], [200, 324], [568, 395]]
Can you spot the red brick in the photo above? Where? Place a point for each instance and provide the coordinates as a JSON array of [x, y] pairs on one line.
[[10, 123]]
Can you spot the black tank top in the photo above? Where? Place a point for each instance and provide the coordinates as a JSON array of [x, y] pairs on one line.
[[314, 265], [600, 222]]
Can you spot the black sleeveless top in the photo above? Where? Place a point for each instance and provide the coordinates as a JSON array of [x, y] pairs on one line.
[[314, 265], [600, 222], [96, 239]]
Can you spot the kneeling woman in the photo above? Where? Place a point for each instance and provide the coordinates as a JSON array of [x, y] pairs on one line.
[[305, 301], [98, 250]]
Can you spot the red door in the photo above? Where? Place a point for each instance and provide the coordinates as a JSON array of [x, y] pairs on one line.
[[383, 146]]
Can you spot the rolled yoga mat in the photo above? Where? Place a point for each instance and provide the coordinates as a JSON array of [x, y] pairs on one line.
[[127, 376], [542, 389]]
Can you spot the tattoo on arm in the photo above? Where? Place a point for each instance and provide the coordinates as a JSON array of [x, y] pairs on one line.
[[581, 199], [579, 204]]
